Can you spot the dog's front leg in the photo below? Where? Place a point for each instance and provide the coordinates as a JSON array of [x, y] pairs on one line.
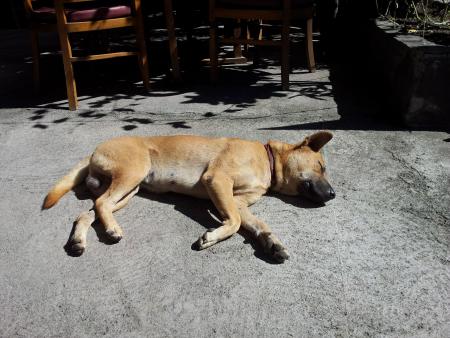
[[271, 244], [220, 190]]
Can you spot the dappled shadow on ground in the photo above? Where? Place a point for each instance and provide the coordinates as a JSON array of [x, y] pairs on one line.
[[114, 86], [361, 102], [240, 87], [119, 79]]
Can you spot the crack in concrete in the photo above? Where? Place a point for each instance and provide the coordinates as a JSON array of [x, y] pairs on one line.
[[423, 193]]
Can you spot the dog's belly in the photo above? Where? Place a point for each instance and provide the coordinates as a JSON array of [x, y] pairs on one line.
[[183, 181]]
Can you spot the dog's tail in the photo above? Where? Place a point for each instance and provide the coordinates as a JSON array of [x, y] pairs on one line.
[[67, 183]]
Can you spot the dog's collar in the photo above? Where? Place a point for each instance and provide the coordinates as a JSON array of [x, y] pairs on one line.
[[272, 163]]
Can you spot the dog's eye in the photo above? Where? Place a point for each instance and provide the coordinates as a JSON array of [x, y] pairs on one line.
[[322, 168]]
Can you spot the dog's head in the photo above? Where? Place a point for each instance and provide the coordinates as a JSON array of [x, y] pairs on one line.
[[300, 169]]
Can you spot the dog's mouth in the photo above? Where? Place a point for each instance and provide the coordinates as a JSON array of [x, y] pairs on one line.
[[319, 191]]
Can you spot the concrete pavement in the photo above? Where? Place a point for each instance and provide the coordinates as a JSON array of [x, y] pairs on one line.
[[372, 262]]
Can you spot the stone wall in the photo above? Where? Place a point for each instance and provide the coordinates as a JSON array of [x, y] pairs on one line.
[[415, 73]]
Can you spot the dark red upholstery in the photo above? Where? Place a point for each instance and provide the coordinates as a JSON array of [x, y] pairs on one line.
[[261, 4], [99, 13], [43, 14]]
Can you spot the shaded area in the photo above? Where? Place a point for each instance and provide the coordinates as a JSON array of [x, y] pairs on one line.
[[361, 102]]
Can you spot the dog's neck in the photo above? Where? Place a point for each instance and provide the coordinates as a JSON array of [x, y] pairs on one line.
[[271, 162], [277, 150]]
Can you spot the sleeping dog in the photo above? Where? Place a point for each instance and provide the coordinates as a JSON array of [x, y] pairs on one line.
[[233, 173]]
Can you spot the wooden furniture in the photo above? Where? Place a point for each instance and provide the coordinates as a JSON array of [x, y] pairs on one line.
[[173, 48], [39, 22], [92, 17], [266, 10]]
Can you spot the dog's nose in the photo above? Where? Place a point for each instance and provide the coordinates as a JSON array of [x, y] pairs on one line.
[[332, 193]]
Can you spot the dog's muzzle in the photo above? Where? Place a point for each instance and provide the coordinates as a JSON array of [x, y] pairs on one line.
[[319, 191]]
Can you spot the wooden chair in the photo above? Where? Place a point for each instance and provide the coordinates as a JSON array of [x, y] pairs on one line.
[[42, 19], [90, 17], [270, 10]]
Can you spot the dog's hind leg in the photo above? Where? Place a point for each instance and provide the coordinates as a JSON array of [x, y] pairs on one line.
[[271, 244], [77, 242], [220, 190], [121, 185]]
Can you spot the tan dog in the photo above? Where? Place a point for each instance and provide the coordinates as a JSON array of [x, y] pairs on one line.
[[233, 173]]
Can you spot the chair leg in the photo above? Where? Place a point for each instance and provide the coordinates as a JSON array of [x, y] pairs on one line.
[[237, 48], [142, 54], [35, 59], [68, 69], [260, 32], [285, 52], [173, 48], [254, 31], [140, 41], [309, 45], [213, 53], [70, 85]]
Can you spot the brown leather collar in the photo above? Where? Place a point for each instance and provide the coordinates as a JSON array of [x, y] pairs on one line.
[[272, 163]]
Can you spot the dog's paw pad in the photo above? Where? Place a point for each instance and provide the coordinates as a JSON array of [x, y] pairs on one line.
[[74, 248], [279, 253], [113, 235], [204, 241], [276, 250], [198, 244]]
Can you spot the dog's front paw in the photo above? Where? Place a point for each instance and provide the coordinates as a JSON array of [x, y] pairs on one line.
[[75, 247], [279, 253], [114, 235], [205, 241], [274, 249]]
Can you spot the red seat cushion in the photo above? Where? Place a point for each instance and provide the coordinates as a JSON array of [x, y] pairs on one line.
[[46, 14], [261, 4], [43, 14], [100, 13]]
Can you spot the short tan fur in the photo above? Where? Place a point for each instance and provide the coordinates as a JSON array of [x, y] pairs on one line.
[[233, 173]]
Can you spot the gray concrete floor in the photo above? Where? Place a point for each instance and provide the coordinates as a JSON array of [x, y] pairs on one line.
[[372, 262]]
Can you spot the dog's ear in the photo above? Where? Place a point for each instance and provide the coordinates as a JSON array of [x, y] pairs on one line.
[[315, 141]]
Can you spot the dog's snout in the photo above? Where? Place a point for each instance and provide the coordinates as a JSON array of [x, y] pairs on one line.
[[331, 193], [307, 185], [318, 190]]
